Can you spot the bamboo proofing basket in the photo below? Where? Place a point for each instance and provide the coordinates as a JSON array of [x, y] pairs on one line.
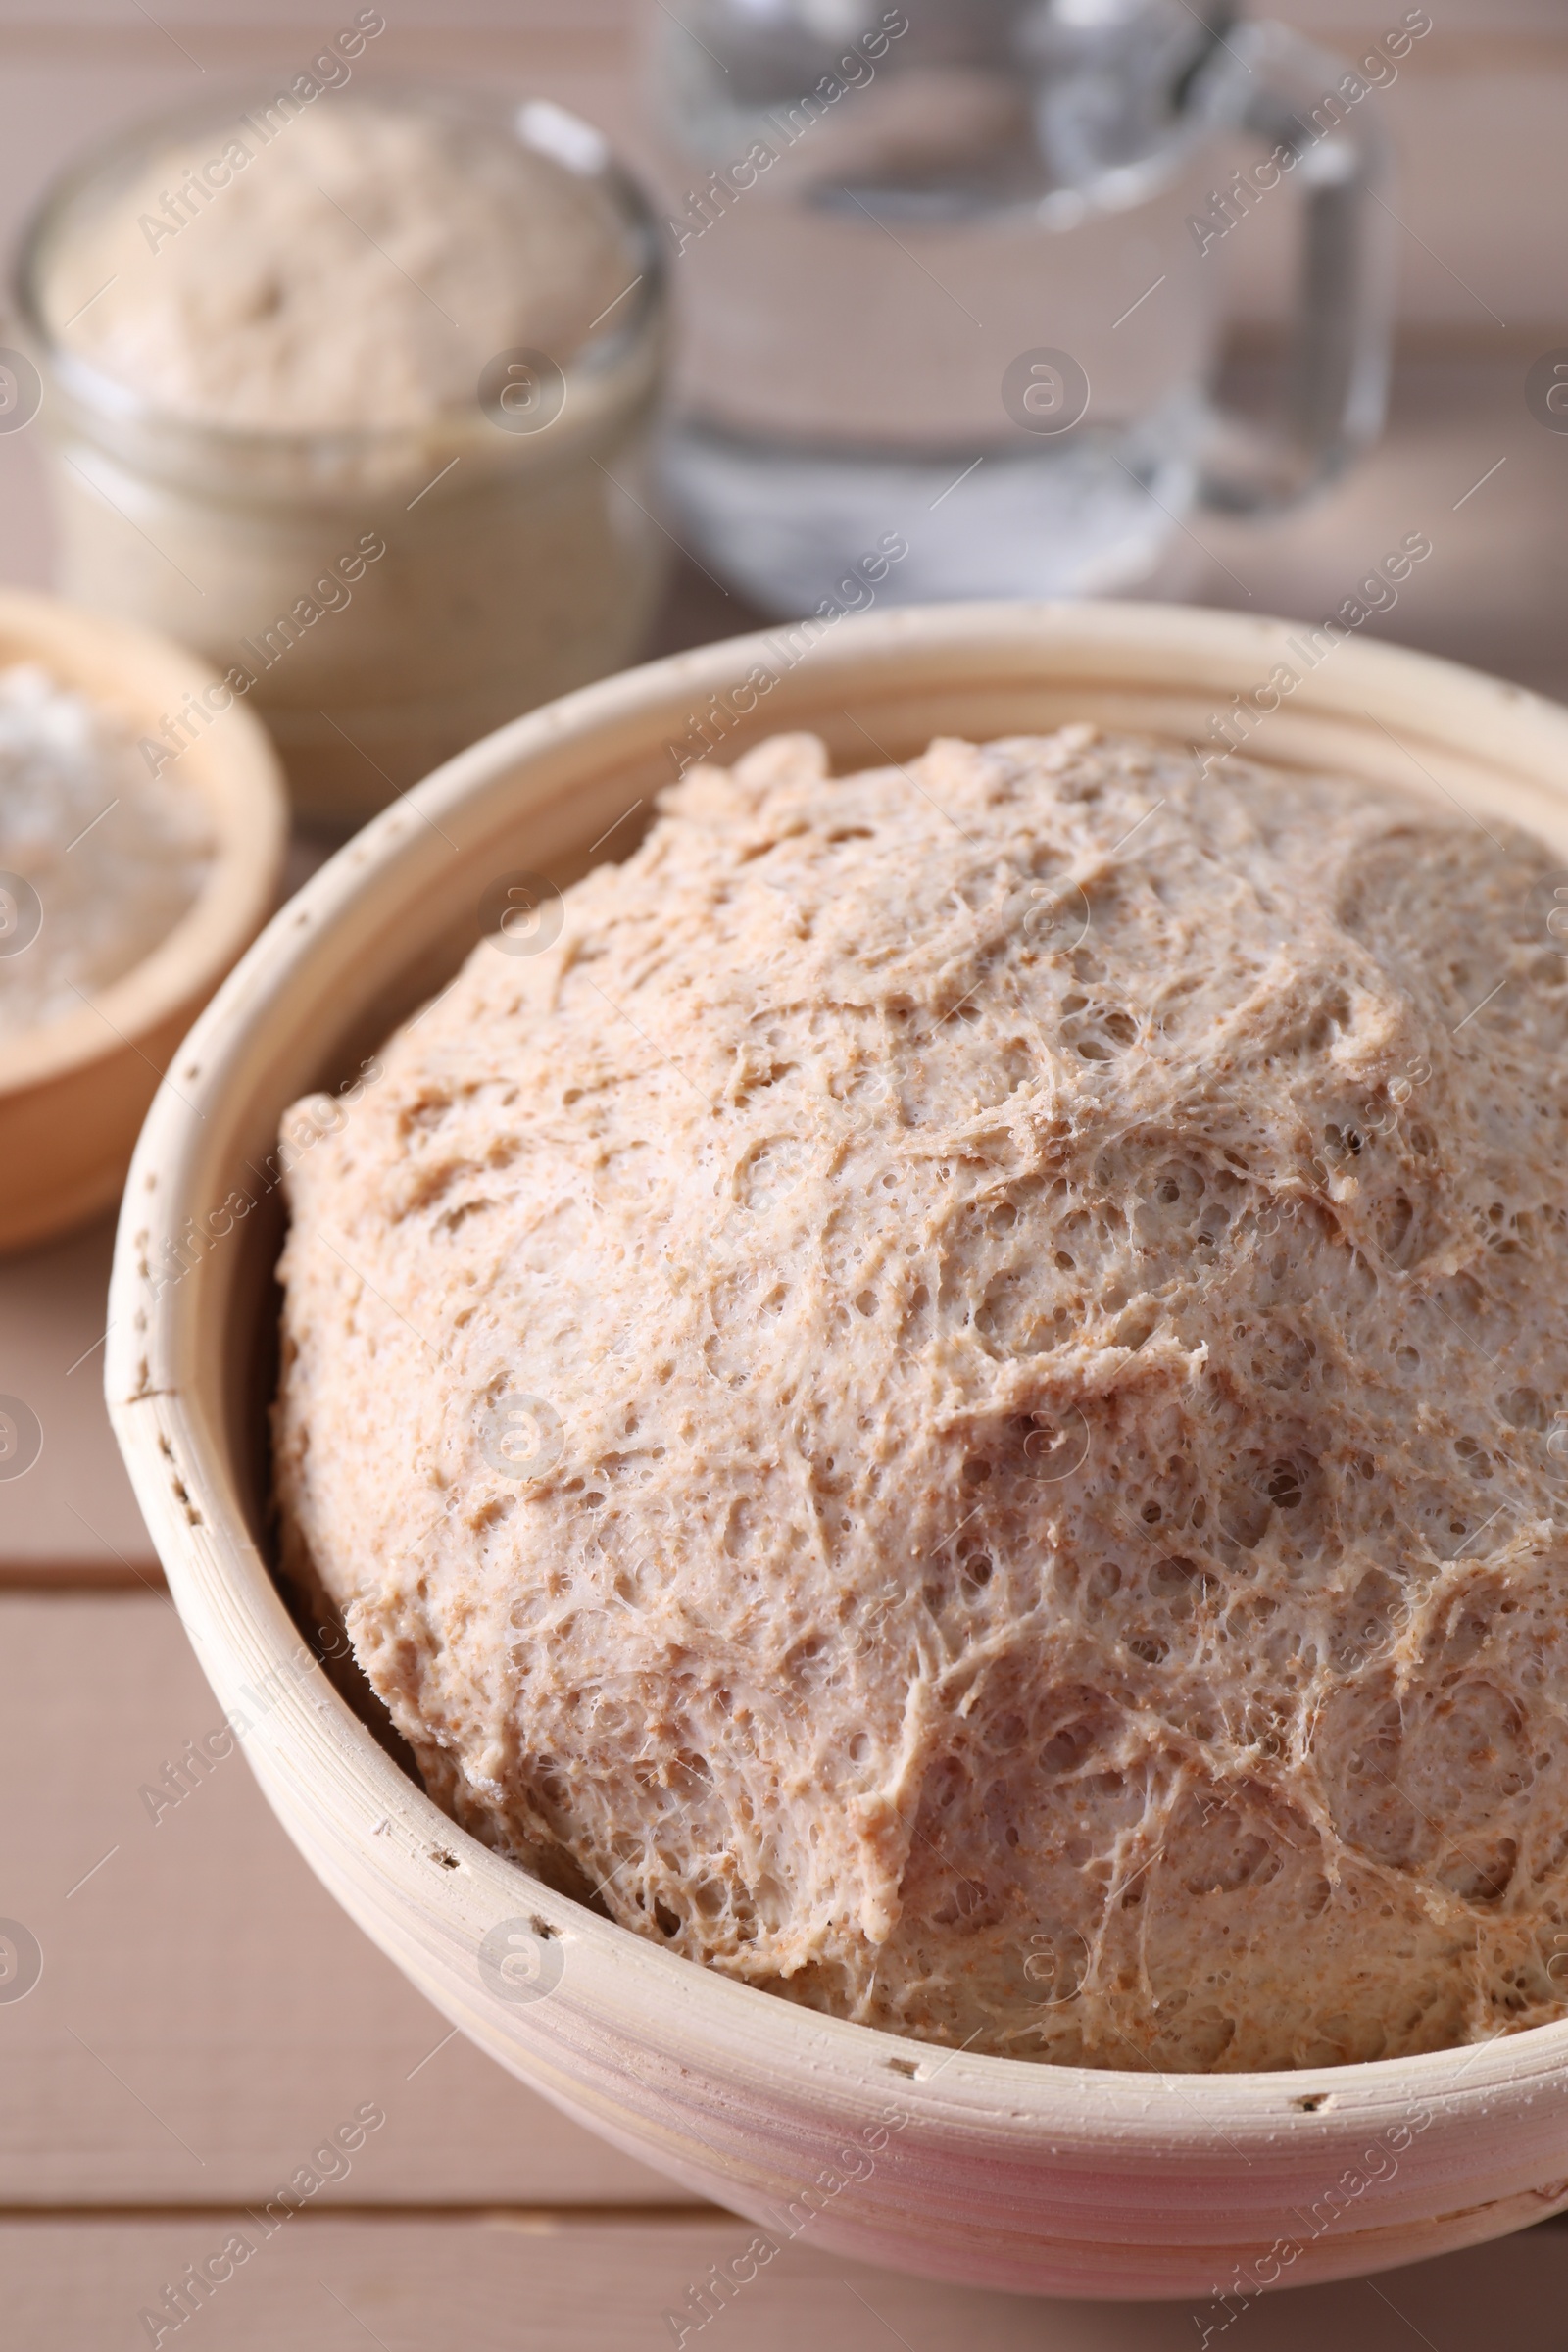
[[1061, 2181]]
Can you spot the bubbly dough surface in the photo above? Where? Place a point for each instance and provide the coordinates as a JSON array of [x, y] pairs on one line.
[[1036, 1285]]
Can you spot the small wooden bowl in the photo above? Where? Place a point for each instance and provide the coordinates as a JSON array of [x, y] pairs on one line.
[[986, 2170], [74, 1092]]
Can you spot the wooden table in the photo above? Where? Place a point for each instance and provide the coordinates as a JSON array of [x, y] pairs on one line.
[[206, 2016]]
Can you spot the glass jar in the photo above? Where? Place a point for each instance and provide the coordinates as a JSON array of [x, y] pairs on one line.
[[383, 593], [949, 276]]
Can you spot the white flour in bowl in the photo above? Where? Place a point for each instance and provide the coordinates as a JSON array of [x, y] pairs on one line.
[[98, 859]]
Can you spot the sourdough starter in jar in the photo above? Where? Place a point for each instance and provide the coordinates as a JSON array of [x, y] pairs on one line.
[[352, 395]]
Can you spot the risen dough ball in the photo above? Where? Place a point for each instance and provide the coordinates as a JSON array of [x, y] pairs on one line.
[[950, 1401]]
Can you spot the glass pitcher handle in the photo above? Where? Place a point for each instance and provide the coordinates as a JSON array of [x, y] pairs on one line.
[[1296, 99]]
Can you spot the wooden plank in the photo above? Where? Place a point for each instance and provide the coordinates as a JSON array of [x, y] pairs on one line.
[[71, 1514], [310, 24], [206, 2013], [1347, 21], [526, 2283]]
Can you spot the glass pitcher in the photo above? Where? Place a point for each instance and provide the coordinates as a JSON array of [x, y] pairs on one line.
[[950, 279]]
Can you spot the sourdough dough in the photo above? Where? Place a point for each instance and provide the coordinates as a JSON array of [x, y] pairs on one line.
[[950, 1401]]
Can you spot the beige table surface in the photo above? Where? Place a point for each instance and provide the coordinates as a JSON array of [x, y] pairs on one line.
[[206, 2015]]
